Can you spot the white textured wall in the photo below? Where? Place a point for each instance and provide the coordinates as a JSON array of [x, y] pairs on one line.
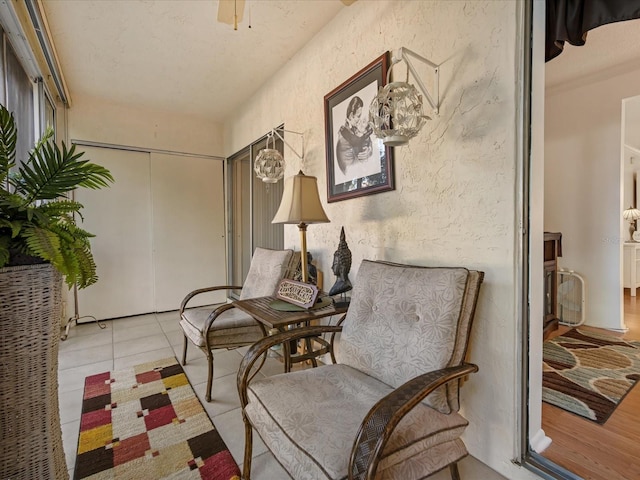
[[583, 187], [95, 120], [454, 202]]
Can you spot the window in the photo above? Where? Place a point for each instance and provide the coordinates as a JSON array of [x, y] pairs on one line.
[[252, 205], [19, 100], [25, 96], [48, 113]]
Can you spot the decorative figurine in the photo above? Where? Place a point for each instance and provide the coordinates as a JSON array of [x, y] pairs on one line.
[[341, 266], [312, 272]]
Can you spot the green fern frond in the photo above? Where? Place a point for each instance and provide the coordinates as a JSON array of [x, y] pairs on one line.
[[8, 137], [45, 244], [79, 233], [15, 226], [9, 200], [94, 176], [87, 274], [71, 265], [47, 136], [63, 233], [70, 232], [52, 213], [51, 173], [60, 208]]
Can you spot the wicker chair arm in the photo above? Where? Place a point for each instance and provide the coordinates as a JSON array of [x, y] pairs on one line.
[[190, 295], [378, 425], [261, 346]]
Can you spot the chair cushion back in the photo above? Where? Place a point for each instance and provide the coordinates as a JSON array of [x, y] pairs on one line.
[[403, 321], [267, 268]]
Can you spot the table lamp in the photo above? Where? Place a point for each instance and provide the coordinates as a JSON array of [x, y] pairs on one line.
[[631, 215], [300, 205]]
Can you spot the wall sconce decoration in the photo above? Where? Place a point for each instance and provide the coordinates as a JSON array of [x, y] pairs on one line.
[[632, 215], [269, 163], [397, 111]]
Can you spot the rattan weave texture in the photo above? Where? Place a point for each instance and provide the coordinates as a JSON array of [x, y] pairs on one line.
[[30, 433]]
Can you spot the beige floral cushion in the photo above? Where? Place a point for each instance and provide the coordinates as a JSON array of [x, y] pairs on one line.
[[267, 268], [309, 420], [230, 323], [402, 322]]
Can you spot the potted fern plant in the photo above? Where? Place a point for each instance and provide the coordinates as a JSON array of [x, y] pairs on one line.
[[36, 220], [40, 244]]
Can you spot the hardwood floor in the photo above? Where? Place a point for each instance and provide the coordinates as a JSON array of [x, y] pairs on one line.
[[599, 452]]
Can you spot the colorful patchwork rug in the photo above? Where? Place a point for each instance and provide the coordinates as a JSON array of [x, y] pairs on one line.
[[146, 422], [589, 373]]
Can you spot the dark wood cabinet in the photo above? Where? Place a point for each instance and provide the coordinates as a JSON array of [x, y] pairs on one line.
[[552, 250]]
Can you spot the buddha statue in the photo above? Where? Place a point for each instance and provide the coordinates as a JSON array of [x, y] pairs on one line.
[[341, 266]]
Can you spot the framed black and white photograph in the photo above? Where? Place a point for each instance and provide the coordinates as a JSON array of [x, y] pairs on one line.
[[358, 163]]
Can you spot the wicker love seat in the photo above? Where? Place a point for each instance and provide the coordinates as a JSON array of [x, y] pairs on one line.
[[387, 408]]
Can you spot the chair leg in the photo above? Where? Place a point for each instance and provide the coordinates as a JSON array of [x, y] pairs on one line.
[[209, 376], [248, 446], [453, 468], [184, 351]]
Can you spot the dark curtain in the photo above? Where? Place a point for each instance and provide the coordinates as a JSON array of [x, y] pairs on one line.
[[570, 20]]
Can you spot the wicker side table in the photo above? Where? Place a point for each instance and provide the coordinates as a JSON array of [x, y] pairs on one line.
[[30, 433]]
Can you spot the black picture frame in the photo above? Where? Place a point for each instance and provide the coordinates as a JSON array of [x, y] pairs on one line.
[[358, 163]]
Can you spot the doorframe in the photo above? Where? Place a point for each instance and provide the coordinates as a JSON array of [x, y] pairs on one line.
[[530, 193], [533, 440]]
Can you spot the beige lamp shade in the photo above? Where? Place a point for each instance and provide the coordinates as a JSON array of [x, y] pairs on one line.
[[300, 201], [301, 205], [631, 214]]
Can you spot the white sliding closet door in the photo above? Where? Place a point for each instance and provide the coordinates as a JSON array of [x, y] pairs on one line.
[[160, 232], [188, 229], [120, 217]]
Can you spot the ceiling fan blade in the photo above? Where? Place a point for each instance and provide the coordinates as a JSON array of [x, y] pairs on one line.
[[228, 9]]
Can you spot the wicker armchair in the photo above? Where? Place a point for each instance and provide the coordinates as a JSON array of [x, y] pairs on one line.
[[226, 326], [387, 408]]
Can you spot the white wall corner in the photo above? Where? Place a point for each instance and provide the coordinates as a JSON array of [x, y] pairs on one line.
[[539, 441]]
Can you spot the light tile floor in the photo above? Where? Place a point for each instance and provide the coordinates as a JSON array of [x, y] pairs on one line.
[[133, 340]]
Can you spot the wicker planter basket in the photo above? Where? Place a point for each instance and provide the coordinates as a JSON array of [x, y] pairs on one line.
[[30, 433]]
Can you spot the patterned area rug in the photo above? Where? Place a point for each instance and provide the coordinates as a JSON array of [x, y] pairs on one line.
[[589, 373], [146, 422]]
